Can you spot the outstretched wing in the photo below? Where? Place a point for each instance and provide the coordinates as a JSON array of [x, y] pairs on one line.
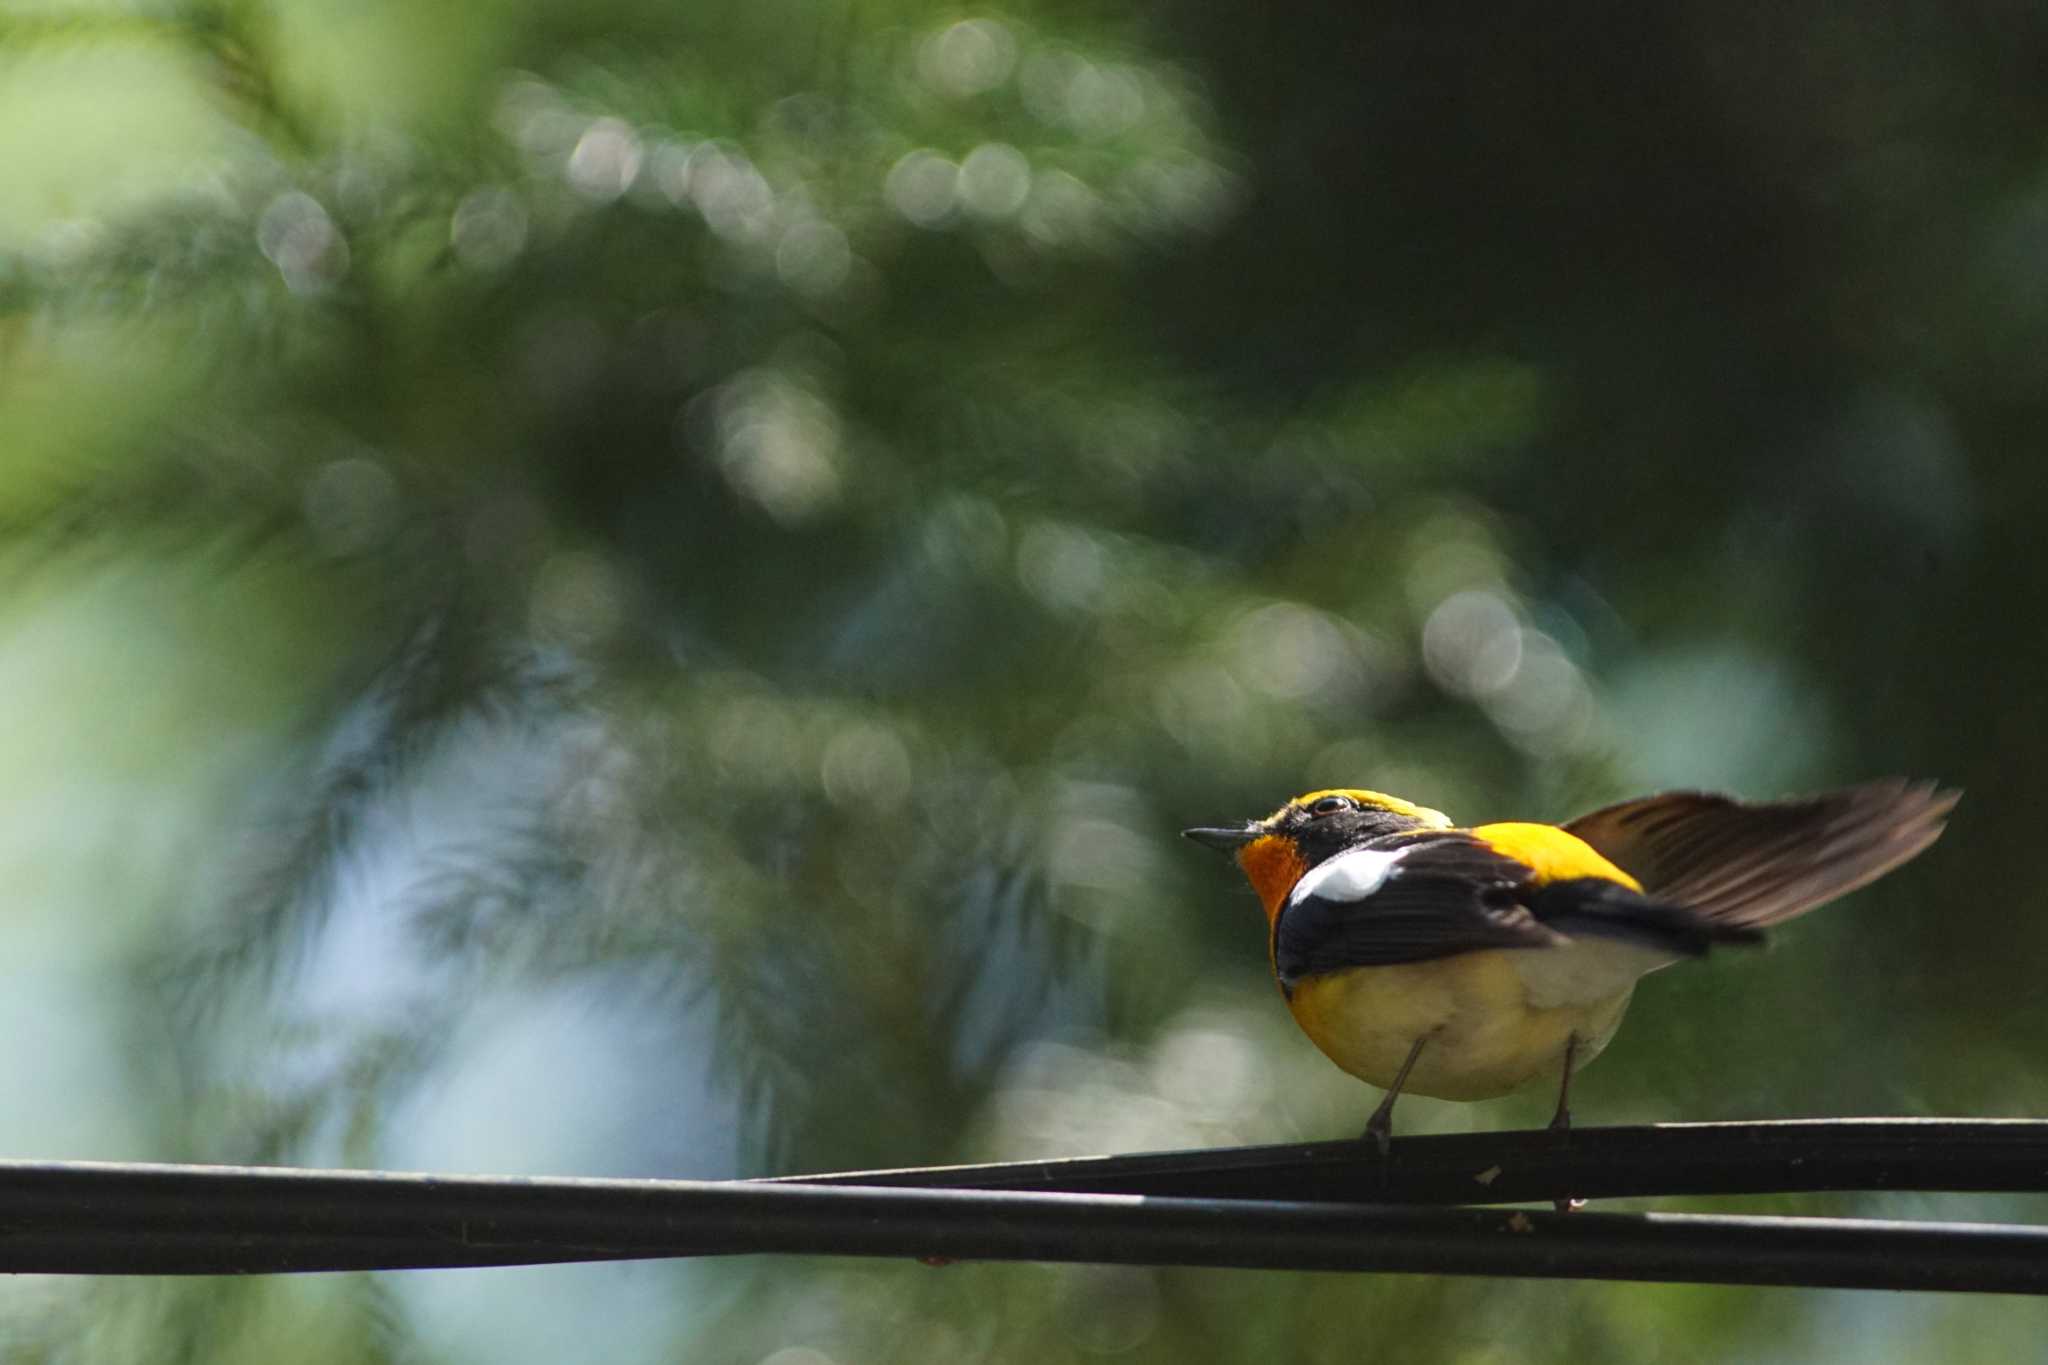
[[1755, 864]]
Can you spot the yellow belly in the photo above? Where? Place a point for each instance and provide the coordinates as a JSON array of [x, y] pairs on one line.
[[1485, 1036]]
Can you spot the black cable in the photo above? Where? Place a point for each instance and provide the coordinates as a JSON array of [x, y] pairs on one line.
[[106, 1218], [2005, 1156]]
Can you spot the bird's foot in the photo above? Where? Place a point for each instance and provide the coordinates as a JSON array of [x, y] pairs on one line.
[[1379, 1129]]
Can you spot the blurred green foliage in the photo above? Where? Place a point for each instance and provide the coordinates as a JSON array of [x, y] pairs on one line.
[[641, 589]]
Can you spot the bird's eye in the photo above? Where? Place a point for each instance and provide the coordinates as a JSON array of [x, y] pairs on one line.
[[1330, 805]]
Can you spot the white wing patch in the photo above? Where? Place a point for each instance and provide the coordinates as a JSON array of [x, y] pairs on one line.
[[1346, 877]]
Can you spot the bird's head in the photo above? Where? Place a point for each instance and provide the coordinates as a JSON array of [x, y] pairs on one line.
[[1275, 851]]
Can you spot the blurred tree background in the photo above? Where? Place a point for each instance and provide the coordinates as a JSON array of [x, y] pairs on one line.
[[641, 589]]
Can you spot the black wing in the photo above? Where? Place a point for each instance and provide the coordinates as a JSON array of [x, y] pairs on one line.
[[1404, 900], [1759, 863], [1411, 899]]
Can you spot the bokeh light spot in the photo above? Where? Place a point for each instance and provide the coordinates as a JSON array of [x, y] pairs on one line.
[[351, 505], [1290, 651], [1448, 552], [296, 235], [1096, 100], [995, 179], [533, 115], [971, 57], [866, 768], [1062, 566], [733, 196], [1205, 710], [1471, 643], [813, 258], [488, 229], [1061, 211], [1544, 705], [755, 742], [778, 444], [668, 171], [1213, 1073], [924, 187], [606, 160]]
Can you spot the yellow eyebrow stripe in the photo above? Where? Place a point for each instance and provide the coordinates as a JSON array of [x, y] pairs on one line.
[[1555, 854], [1435, 819]]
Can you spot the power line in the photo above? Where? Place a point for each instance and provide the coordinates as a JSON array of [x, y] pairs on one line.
[[1991, 1156], [110, 1218]]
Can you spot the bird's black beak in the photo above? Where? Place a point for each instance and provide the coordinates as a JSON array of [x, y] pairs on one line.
[[1228, 840]]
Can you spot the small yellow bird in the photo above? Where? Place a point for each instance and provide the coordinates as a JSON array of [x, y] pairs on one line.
[[1461, 963]]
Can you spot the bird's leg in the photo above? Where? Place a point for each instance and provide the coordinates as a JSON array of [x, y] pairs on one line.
[[1561, 1121], [1380, 1127]]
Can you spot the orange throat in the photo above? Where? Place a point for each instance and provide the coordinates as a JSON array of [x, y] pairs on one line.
[[1273, 865]]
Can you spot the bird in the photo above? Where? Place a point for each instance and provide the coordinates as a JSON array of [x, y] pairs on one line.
[[1463, 962]]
